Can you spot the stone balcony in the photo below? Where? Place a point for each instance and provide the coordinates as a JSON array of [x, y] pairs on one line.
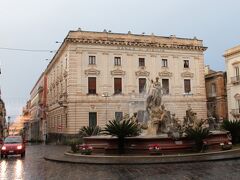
[[236, 113], [235, 80]]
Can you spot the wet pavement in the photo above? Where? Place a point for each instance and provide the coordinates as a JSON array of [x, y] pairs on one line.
[[33, 166]]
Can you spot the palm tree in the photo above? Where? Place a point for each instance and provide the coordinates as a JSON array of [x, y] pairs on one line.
[[87, 131], [198, 134], [122, 129], [233, 127]]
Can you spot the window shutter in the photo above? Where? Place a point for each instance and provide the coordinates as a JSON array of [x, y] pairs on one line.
[[117, 85], [91, 85]]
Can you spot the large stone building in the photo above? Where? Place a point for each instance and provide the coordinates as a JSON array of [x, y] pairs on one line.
[[97, 76], [232, 62], [37, 125], [26, 116], [216, 91], [3, 125]]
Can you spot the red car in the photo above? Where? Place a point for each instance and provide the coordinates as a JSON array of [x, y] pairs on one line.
[[13, 145]]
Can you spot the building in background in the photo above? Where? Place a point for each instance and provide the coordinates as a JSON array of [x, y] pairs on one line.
[[26, 116], [37, 125], [3, 124], [232, 62], [98, 76], [216, 91]]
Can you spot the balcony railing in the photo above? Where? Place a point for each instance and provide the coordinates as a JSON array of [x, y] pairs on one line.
[[235, 112], [235, 79]]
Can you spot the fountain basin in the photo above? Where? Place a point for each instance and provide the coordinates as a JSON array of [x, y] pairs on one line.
[[140, 144]]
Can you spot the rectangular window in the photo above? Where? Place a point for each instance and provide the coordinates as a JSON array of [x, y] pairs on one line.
[[117, 85], [213, 90], [187, 85], [237, 73], [165, 86], [118, 116], [92, 119], [92, 60], [141, 62], [91, 85], [186, 63], [142, 85], [164, 63], [117, 61]]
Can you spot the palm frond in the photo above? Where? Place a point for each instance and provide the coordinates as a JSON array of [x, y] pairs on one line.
[[124, 128], [86, 131], [197, 134], [233, 126]]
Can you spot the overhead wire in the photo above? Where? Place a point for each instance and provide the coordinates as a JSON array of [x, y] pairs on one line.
[[27, 50], [33, 50]]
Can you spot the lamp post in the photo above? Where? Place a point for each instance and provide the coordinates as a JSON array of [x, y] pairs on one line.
[[105, 94], [8, 124]]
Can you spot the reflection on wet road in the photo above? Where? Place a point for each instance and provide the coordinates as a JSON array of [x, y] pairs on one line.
[[33, 166]]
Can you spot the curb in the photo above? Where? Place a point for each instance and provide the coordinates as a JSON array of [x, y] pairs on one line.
[[138, 160]]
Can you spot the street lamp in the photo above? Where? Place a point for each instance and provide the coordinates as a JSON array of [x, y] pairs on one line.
[[8, 124], [105, 94]]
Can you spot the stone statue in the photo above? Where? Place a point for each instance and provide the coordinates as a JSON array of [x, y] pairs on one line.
[[213, 125], [160, 119], [191, 121], [155, 98], [176, 128], [190, 118], [165, 121], [212, 122]]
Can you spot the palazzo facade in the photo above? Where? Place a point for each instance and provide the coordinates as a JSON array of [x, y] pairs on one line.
[[96, 77], [232, 62]]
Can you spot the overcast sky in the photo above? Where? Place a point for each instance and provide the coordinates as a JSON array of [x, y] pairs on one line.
[[32, 24]]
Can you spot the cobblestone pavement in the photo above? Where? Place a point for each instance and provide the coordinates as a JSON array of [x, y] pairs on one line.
[[33, 166]]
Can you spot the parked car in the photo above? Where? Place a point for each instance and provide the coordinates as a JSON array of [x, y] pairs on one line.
[[13, 145]]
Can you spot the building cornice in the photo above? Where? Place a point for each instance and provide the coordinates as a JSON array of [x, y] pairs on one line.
[[236, 63], [232, 51], [130, 43], [215, 74], [127, 40]]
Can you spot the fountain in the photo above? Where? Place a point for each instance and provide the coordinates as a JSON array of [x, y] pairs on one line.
[[159, 127]]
